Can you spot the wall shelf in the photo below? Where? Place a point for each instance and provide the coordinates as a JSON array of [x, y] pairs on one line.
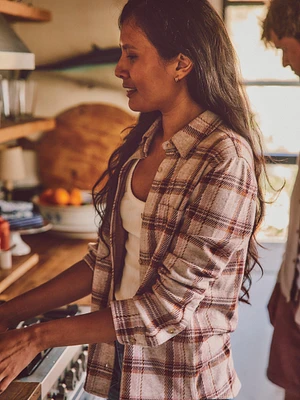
[[23, 12], [12, 130]]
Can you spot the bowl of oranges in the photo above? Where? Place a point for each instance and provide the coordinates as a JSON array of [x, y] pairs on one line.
[[71, 212]]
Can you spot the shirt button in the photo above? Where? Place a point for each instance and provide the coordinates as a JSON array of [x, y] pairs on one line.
[[106, 365], [171, 331]]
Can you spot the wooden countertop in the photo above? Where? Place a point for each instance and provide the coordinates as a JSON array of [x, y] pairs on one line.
[[22, 391], [55, 255]]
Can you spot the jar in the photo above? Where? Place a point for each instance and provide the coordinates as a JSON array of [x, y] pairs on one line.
[[5, 252], [4, 234]]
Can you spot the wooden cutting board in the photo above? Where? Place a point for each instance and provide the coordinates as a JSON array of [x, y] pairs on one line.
[[76, 152]]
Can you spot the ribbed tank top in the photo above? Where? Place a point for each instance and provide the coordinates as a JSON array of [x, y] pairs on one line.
[[131, 210]]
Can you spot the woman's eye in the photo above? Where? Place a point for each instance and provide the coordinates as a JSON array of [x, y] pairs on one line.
[[131, 57]]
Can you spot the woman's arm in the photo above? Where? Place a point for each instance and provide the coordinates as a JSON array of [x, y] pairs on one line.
[[69, 286], [18, 347]]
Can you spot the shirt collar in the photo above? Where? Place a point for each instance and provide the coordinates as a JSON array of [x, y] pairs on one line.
[[193, 133], [186, 138]]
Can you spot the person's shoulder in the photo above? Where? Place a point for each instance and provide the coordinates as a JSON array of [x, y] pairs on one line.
[[222, 142]]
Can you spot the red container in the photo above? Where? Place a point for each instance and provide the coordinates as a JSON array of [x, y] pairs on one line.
[[4, 234]]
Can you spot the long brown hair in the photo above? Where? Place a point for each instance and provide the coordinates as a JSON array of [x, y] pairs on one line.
[[193, 28]]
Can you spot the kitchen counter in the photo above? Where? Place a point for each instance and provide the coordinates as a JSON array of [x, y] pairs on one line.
[[21, 391], [55, 255]]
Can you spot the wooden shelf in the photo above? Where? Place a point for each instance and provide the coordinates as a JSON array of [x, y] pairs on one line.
[[11, 130], [23, 12]]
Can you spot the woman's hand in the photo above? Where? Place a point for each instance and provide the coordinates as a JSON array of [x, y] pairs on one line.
[[17, 349]]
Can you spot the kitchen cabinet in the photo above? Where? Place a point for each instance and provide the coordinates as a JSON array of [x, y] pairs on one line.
[[14, 12]]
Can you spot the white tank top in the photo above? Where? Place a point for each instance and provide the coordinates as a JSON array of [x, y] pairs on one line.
[[131, 210]]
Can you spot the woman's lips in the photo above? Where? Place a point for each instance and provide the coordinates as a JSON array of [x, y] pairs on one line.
[[130, 91]]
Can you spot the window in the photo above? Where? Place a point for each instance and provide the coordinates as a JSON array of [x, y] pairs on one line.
[[274, 94]]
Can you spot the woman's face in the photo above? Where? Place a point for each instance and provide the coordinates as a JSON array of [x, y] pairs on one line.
[[290, 51], [147, 78]]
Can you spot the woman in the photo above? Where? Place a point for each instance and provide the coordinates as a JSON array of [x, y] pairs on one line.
[[176, 244]]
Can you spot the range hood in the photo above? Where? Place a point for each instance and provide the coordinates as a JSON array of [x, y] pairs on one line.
[[14, 55]]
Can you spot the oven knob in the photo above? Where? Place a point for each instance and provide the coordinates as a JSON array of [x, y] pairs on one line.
[[78, 367], [62, 388], [62, 392], [83, 357], [70, 379]]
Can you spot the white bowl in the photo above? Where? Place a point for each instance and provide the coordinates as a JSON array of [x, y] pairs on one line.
[[69, 220]]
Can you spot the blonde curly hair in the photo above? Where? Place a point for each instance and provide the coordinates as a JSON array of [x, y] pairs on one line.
[[283, 17]]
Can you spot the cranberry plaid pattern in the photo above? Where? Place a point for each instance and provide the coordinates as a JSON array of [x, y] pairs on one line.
[[196, 226]]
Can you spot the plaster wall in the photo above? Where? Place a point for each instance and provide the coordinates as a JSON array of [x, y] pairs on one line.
[[76, 26]]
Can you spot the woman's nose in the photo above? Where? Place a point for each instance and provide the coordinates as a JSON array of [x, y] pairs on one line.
[[120, 71]]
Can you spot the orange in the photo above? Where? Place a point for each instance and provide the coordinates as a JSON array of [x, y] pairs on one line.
[[61, 196], [75, 197], [47, 196]]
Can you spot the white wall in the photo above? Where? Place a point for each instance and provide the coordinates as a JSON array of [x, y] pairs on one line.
[[251, 341], [76, 25]]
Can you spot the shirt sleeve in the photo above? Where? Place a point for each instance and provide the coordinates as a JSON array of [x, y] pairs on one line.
[[90, 257], [210, 244]]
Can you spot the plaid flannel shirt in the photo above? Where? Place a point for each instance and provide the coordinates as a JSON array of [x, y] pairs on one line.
[[196, 226]]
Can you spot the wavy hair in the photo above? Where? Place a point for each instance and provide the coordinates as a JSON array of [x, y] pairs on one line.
[[283, 17], [193, 28]]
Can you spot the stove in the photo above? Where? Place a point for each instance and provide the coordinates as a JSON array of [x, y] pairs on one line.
[[61, 374], [60, 371]]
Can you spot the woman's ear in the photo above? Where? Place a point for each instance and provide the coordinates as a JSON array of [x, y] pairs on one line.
[[184, 65]]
